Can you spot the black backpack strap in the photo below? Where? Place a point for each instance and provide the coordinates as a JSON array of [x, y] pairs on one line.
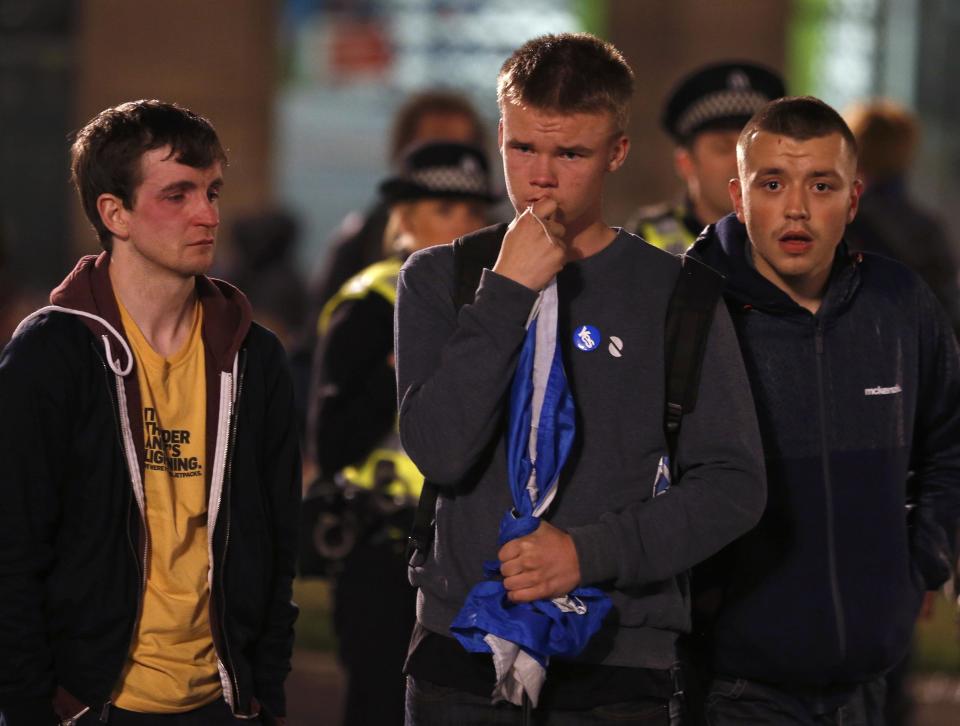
[[689, 317], [471, 255]]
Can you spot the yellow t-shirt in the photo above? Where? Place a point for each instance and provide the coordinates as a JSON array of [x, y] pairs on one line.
[[172, 664]]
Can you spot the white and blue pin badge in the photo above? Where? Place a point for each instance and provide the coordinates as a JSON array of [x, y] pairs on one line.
[[586, 338]]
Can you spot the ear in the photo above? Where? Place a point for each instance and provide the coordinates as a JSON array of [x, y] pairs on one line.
[[114, 215], [855, 192], [683, 162], [736, 196], [618, 153], [500, 135]]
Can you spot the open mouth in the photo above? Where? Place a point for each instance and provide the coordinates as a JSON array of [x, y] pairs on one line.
[[795, 240]]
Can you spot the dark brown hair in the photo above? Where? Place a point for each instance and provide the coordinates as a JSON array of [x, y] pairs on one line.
[[568, 73], [106, 154], [429, 103], [800, 118]]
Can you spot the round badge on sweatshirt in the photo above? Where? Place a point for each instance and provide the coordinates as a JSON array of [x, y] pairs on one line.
[[586, 338]]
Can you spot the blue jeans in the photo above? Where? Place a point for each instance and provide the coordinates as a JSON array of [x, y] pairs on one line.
[[431, 705], [738, 702]]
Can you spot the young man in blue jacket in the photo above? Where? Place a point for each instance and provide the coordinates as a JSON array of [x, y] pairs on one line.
[[152, 476], [855, 374]]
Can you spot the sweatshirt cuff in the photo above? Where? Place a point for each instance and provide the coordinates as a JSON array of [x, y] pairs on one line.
[[596, 553], [510, 298]]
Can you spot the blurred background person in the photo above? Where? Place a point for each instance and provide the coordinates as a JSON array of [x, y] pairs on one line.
[[441, 191], [264, 267], [432, 115], [890, 222], [704, 114]]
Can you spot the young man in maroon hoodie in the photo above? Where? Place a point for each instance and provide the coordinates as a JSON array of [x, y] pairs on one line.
[[147, 533]]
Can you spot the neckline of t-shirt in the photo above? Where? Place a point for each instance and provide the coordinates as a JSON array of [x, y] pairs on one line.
[[151, 358]]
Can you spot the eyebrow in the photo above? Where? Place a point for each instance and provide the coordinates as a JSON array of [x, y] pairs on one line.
[[178, 186], [186, 186], [776, 170], [581, 150]]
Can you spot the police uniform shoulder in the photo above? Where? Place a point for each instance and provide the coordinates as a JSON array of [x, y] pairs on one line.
[[650, 214]]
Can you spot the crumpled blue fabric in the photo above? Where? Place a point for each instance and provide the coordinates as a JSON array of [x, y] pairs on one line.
[[535, 459]]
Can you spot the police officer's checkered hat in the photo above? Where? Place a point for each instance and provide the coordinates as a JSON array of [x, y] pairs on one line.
[[719, 96], [440, 169]]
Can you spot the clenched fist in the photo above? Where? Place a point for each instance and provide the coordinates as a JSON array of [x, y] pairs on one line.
[[533, 250], [543, 564]]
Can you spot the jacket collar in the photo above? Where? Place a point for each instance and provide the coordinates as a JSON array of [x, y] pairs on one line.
[[226, 311], [723, 246]]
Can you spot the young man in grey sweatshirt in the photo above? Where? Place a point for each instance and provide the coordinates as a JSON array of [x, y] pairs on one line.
[[564, 103]]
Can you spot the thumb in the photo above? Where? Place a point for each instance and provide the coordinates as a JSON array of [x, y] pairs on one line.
[[544, 208]]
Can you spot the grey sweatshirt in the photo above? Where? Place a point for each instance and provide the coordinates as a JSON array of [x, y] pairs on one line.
[[454, 371]]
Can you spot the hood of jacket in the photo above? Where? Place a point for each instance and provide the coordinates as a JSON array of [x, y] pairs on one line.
[[87, 293], [227, 313], [725, 247]]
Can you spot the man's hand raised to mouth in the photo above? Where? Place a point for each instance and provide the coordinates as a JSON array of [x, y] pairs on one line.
[[533, 250]]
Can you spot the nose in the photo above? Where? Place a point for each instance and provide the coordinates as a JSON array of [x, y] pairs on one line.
[[208, 214], [796, 203], [543, 174]]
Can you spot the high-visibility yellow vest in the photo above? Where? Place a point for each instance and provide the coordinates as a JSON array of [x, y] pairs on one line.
[[387, 468], [663, 226], [380, 278]]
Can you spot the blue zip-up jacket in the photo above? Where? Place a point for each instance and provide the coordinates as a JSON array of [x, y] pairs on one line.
[[859, 411]]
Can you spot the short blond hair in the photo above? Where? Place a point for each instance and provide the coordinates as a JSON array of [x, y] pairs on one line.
[[568, 73]]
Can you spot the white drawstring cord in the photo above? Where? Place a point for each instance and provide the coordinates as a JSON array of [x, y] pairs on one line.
[[114, 364]]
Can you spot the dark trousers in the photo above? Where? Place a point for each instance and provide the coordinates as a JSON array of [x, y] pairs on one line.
[[213, 714], [431, 705], [738, 702], [374, 609]]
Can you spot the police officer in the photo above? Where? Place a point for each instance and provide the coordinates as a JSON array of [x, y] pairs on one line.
[[442, 191], [703, 115]]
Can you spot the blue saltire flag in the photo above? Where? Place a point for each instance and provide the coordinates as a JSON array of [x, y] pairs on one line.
[[523, 636]]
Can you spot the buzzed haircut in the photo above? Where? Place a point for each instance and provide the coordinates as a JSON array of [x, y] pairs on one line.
[[107, 152], [797, 117], [437, 102], [568, 73]]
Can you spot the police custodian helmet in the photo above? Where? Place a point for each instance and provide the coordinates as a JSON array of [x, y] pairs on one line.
[[719, 96]]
